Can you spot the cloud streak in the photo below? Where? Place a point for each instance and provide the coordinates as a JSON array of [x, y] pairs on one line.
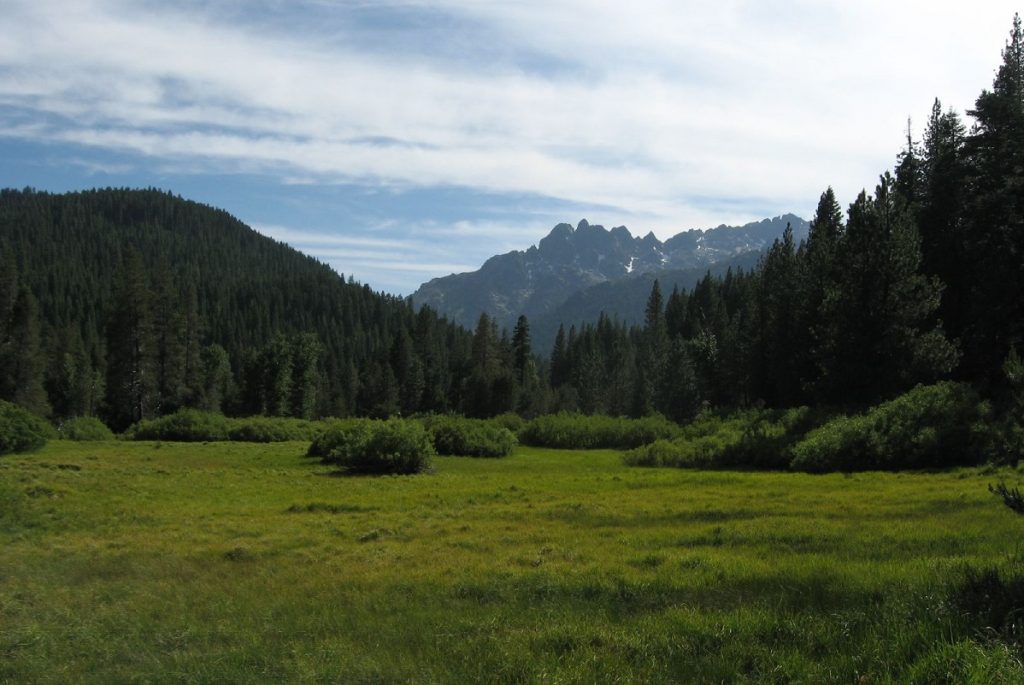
[[655, 113]]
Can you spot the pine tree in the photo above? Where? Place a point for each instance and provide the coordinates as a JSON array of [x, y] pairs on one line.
[[480, 399], [681, 397], [885, 339], [779, 321], [216, 378], [995, 216], [651, 378], [408, 373], [306, 375], [278, 367], [910, 170], [191, 338], [131, 348], [521, 350], [168, 325], [559, 375], [819, 275], [22, 364]]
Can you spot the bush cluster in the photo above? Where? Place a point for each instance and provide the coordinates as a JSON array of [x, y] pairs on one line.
[[398, 446], [184, 425], [335, 434], [458, 436], [83, 429], [192, 425], [21, 430], [273, 429], [930, 426], [580, 432], [511, 421], [751, 439]]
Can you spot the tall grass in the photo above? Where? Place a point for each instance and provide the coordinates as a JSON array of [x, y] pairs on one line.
[[243, 562], [580, 432]]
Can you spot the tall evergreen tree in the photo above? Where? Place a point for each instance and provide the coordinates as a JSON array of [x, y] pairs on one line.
[[131, 348], [995, 211], [819, 290], [559, 361], [651, 381], [216, 378], [408, 372], [779, 312], [22, 363], [168, 326], [306, 375], [191, 340], [885, 339]]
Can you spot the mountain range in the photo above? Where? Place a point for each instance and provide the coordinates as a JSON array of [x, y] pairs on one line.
[[573, 274]]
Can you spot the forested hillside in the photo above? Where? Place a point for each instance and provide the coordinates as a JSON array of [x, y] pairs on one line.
[[131, 303]]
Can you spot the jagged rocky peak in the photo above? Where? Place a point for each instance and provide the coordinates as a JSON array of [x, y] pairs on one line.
[[570, 259], [622, 233]]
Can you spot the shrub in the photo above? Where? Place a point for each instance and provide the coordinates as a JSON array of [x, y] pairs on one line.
[[511, 421], [336, 434], [272, 429], [576, 431], [463, 437], [768, 436], [84, 428], [752, 438], [21, 430], [930, 426], [184, 425], [992, 601], [698, 453], [393, 446]]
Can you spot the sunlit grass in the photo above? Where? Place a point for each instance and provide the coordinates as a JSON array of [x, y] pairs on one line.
[[238, 562]]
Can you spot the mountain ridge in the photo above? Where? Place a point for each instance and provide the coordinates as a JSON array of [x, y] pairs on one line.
[[569, 260]]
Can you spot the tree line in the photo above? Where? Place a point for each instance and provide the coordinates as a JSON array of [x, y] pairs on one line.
[[130, 304], [919, 280]]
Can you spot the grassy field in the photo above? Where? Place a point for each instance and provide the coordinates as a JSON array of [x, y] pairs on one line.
[[150, 562]]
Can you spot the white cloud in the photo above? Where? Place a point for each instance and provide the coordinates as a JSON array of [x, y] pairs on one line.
[[660, 109]]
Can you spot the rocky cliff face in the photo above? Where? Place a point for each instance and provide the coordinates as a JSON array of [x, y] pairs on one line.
[[568, 261]]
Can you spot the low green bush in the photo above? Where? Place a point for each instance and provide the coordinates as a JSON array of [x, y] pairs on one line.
[[84, 429], [272, 429], [577, 431], [703, 452], [21, 430], [398, 446], [184, 425], [767, 437], [754, 438], [511, 421], [930, 426], [336, 434], [458, 436], [192, 425]]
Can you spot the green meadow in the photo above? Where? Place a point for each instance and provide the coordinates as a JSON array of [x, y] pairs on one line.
[[149, 562]]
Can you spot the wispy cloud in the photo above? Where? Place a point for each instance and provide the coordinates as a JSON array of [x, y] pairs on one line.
[[655, 113]]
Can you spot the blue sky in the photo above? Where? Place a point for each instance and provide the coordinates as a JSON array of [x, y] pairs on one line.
[[401, 141]]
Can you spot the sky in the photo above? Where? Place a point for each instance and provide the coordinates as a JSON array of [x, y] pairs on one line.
[[403, 141]]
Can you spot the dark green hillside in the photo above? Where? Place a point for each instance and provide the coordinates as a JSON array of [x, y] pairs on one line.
[[70, 247], [298, 337]]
